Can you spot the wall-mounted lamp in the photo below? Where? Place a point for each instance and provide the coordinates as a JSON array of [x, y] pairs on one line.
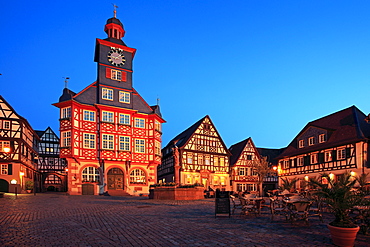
[[6, 149], [21, 173], [331, 176], [13, 181], [306, 178]]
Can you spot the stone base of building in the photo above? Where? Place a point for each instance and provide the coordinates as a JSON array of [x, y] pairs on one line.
[[173, 193]]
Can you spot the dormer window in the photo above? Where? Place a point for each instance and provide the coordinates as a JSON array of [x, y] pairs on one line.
[[300, 143], [311, 141], [322, 138]]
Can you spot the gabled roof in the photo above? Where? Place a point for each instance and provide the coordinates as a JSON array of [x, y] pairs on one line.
[[40, 133], [343, 127], [237, 149], [182, 138], [271, 154]]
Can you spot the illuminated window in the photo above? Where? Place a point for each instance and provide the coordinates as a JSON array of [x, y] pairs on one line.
[[124, 119], [216, 180], [139, 123], [116, 75], [89, 116], [124, 97], [301, 143], [107, 141], [286, 164], [241, 187], [65, 112], [90, 174], [222, 181], [137, 176], [157, 148], [124, 143], [322, 138], [107, 94], [53, 179], [207, 162], [190, 158], [66, 139], [251, 187], [4, 146], [139, 146], [200, 159], [222, 161], [311, 141], [157, 126], [107, 117], [328, 156], [89, 140]]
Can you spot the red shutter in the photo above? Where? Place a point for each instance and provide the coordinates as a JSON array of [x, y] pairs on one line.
[[108, 72], [124, 76]]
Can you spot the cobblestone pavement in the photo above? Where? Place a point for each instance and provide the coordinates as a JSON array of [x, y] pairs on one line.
[[61, 220]]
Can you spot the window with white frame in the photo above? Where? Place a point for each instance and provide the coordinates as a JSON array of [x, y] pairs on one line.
[[157, 147], [90, 174], [157, 126], [251, 187], [137, 176], [286, 164], [139, 146], [6, 125], [89, 115], [116, 75], [241, 171], [65, 113], [300, 143], [207, 160], [89, 140], [124, 97], [66, 139], [107, 141], [4, 146], [107, 93], [254, 172], [328, 156], [241, 187], [139, 123], [311, 141], [341, 153], [124, 118], [190, 158], [300, 161], [107, 116], [124, 143], [313, 158], [322, 138], [4, 169]]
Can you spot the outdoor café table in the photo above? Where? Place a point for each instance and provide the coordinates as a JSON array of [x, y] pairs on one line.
[[258, 202]]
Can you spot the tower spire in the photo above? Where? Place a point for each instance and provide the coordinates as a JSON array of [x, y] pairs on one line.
[[114, 10]]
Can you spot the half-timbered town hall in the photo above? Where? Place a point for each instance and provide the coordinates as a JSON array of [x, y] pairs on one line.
[[198, 155], [331, 144], [110, 137]]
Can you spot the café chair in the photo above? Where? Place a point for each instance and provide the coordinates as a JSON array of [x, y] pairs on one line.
[[299, 210], [278, 208]]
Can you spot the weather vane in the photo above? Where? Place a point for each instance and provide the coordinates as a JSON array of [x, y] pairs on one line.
[[115, 10], [66, 82]]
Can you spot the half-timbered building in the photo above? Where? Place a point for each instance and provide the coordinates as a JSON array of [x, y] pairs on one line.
[[242, 172], [198, 155], [51, 167], [18, 150], [332, 144], [110, 137]]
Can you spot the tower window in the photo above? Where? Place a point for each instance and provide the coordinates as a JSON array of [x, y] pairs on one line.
[[116, 75], [107, 94], [124, 97]]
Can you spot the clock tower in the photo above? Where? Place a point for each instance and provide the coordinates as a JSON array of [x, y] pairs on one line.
[[110, 136]]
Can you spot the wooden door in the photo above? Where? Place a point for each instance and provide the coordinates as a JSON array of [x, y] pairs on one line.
[[115, 179]]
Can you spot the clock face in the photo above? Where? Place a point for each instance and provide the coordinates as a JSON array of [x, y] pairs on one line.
[[115, 57]]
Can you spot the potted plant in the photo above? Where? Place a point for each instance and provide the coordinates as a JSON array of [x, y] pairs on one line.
[[340, 198], [29, 186], [288, 185]]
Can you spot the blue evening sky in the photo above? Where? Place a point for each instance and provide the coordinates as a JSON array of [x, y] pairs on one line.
[[260, 69]]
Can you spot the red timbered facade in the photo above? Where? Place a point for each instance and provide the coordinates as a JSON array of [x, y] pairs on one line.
[[110, 137], [196, 156], [332, 144], [18, 150]]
